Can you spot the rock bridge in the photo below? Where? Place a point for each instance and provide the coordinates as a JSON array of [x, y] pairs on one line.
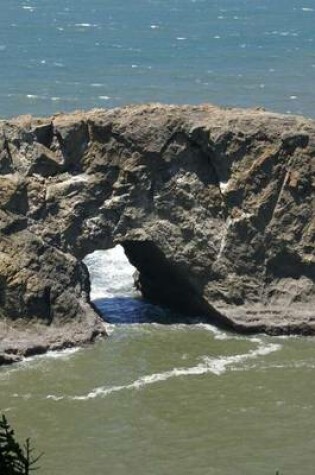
[[214, 207]]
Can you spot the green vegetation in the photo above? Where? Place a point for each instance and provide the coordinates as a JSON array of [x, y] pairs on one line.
[[14, 458]]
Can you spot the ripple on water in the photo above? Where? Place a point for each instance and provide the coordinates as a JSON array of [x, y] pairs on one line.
[[216, 366]]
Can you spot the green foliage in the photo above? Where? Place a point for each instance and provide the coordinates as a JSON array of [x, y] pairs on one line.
[[14, 459]]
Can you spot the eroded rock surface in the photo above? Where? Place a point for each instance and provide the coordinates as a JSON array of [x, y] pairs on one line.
[[215, 207]]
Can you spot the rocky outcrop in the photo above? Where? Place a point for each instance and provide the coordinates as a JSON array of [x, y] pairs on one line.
[[215, 208]]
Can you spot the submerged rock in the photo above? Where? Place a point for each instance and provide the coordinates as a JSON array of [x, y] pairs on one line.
[[215, 207]]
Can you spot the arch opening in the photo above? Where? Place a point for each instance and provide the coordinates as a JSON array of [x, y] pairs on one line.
[[113, 289], [135, 283]]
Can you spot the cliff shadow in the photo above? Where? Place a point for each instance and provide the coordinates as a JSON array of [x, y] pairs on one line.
[[134, 283], [131, 310]]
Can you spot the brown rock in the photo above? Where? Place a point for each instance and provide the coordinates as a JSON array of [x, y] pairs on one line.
[[215, 208]]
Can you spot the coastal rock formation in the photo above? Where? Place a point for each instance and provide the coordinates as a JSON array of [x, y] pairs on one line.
[[215, 207]]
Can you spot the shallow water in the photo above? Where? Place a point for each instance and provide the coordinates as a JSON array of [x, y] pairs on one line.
[[167, 400], [176, 399]]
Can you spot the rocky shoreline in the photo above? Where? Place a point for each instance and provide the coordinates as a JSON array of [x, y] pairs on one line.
[[215, 207]]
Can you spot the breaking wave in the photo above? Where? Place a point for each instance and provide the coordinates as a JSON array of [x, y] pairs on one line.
[[216, 366]]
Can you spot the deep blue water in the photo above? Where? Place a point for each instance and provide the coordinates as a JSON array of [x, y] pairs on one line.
[[71, 54]]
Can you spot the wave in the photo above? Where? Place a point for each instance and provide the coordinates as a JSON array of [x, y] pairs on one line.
[[111, 274], [28, 362], [216, 366]]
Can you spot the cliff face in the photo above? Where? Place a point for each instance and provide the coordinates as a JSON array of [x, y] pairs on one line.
[[215, 207]]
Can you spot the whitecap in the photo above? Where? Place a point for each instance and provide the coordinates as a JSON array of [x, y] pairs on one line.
[[54, 398], [216, 366], [307, 9], [28, 8], [86, 25], [104, 98]]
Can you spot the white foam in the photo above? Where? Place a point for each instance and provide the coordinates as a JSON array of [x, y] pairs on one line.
[[61, 353], [28, 8], [307, 9], [216, 332], [223, 186], [57, 354], [54, 398], [86, 25], [216, 366], [111, 274]]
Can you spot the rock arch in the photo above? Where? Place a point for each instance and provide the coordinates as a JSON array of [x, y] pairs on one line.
[[214, 206]]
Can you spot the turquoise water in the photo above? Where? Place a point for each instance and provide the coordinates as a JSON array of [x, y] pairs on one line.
[[70, 54], [154, 399]]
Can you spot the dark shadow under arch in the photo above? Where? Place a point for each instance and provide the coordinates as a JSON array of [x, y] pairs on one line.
[[164, 295]]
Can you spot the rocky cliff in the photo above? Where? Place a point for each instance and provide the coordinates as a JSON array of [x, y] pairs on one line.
[[215, 208]]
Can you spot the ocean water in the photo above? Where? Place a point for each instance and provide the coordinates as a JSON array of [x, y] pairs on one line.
[[165, 399], [73, 54], [158, 399]]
